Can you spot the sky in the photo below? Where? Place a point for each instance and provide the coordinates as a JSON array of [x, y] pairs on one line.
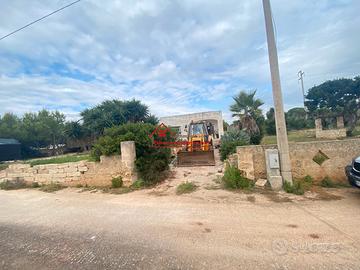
[[177, 57]]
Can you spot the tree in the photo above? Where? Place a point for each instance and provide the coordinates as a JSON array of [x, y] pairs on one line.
[[43, 129], [152, 119], [247, 109], [270, 126], [74, 130], [10, 126], [296, 119], [113, 113], [336, 97]]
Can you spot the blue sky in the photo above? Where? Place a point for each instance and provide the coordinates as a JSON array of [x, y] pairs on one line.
[[175, 56]]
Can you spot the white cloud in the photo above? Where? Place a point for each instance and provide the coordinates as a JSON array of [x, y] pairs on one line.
[[176, 56]]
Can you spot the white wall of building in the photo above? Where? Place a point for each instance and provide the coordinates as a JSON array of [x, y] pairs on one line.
[[215, 117]]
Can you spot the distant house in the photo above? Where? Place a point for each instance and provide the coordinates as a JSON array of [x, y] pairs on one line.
[[9, 149]]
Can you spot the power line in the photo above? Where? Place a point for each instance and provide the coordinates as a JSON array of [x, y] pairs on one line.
[[33, 22]]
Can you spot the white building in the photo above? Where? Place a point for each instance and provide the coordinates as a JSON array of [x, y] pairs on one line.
[[180, 121]]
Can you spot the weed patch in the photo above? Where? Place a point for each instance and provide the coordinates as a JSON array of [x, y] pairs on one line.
[[328, 183], [52, 187], [233, 179], [186, 187], [58, 160], [296, 188], [117, 182], [138, 184]]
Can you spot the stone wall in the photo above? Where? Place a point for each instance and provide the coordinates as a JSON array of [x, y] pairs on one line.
[[72, 173], [338, 154], [82, 172], [338, 133]]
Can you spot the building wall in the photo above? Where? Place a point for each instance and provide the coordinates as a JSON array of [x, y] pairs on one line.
[[251, 159], [181, 121]]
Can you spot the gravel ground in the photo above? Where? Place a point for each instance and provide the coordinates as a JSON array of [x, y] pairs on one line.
[[207, 229]]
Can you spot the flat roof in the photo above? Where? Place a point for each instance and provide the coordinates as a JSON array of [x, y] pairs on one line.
[[187, 114]]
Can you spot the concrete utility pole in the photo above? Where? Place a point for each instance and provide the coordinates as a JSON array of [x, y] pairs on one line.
[[281, 134], [301, 79]]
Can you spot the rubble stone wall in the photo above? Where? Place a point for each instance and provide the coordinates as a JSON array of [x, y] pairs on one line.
[[73, 173], [339, 154]]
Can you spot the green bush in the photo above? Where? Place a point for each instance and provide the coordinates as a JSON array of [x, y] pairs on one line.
[[151, 162], [295, 188], [233, 179], [138, 184], [230, 140], [186, 187], [327, 182], [117, 182]]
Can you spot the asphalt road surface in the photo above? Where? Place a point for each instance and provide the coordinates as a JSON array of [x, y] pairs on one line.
[[142, 230]]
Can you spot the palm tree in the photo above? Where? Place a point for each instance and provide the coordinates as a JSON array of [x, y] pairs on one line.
[[247, 108]]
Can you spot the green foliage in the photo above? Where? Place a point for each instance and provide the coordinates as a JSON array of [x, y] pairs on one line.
[[12, 184], [112, 113], [151, 162], [296, 119], [138, 184], [327, 183], [52, 187], [296, 188], [58, 160], [74, 130], [34, 130], [336, 97], [270, 127], [117, 182], [186, 187], [251, 120], [230, 140], [308, 182], [233, 179]]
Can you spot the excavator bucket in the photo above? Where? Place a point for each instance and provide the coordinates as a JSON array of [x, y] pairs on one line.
[[196, 158]]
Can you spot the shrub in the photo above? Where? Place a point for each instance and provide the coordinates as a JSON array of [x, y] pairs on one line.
[[138, 184], [186, 187], [12, 184], [151, 162], [307, 182], [117, 182], [233, 179], [296, 188], [230, 140], [327, 182]]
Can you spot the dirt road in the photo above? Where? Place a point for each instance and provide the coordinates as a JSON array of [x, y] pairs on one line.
[[142, 230]]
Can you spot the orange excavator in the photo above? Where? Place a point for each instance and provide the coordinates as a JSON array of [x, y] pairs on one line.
[[199, 150]]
